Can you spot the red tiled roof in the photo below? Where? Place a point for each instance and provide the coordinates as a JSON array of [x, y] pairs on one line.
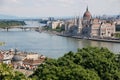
[[32, 62], [1, 56]]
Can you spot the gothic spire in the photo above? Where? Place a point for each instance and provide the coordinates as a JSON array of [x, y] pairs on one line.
[[87, 8]]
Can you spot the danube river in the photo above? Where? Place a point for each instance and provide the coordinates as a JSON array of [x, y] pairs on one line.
[[46, 44]]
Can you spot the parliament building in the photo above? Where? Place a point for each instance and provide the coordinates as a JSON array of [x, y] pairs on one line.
[[90, 27]]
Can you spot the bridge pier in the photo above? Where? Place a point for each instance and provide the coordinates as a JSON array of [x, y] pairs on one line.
[[7, 29], [25, 29]]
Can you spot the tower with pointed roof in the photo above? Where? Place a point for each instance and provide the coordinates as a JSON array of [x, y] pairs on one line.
[[80, 26], [86, 23], [87, 15]]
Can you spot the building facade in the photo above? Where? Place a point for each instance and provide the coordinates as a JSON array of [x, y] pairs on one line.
[[90, 27]]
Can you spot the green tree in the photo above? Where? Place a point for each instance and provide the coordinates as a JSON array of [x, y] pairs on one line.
[[7, 73], [89, 63], [8, 24]]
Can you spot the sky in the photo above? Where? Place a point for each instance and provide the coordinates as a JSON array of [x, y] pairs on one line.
[[47, 8]]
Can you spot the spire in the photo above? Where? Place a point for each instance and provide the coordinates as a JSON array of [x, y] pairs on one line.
[[87, 14], [87, 8]]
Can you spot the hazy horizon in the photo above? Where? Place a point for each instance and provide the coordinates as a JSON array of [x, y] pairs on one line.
[[58, 8]]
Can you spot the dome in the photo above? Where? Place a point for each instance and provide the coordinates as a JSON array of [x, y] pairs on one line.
[[17, 58], [87, 14]]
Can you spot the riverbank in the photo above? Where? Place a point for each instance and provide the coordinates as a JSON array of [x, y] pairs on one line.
[[2, 43], [9, 24], [78, 37], [97, 39]]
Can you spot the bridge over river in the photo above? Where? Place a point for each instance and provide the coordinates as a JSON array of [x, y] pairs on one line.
[[30, 25]]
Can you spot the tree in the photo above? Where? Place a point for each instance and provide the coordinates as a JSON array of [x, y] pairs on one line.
[[7, 73], [8, 24], [89, 63]]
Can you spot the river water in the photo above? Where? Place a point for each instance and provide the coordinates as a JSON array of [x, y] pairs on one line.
[[46, 44]]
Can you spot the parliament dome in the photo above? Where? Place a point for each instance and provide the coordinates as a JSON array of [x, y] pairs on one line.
[[87, 14]]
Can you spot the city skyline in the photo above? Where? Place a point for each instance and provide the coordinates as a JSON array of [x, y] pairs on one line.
[[45, 8]]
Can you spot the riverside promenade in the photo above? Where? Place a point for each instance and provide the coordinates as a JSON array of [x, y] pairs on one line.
[[79, 37], [92, 39]]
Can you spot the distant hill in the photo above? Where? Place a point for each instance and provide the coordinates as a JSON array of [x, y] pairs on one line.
[[2, 16]]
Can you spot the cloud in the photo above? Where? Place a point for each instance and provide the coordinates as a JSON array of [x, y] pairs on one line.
[[58, 7], [14, 1]]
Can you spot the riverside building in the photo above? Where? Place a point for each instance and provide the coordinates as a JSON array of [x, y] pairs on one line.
[[90, 27]]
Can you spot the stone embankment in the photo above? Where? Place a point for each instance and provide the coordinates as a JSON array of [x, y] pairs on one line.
[[92, 39]]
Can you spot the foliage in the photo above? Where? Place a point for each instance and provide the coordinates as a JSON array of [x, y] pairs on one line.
[[44, 21], [7, 73], [117, 35], [57, 29], [60, 28], [4, 24], [90, 63]]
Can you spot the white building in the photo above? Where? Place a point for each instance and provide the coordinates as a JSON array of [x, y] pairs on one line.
[[32, 56], [56, 24]]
